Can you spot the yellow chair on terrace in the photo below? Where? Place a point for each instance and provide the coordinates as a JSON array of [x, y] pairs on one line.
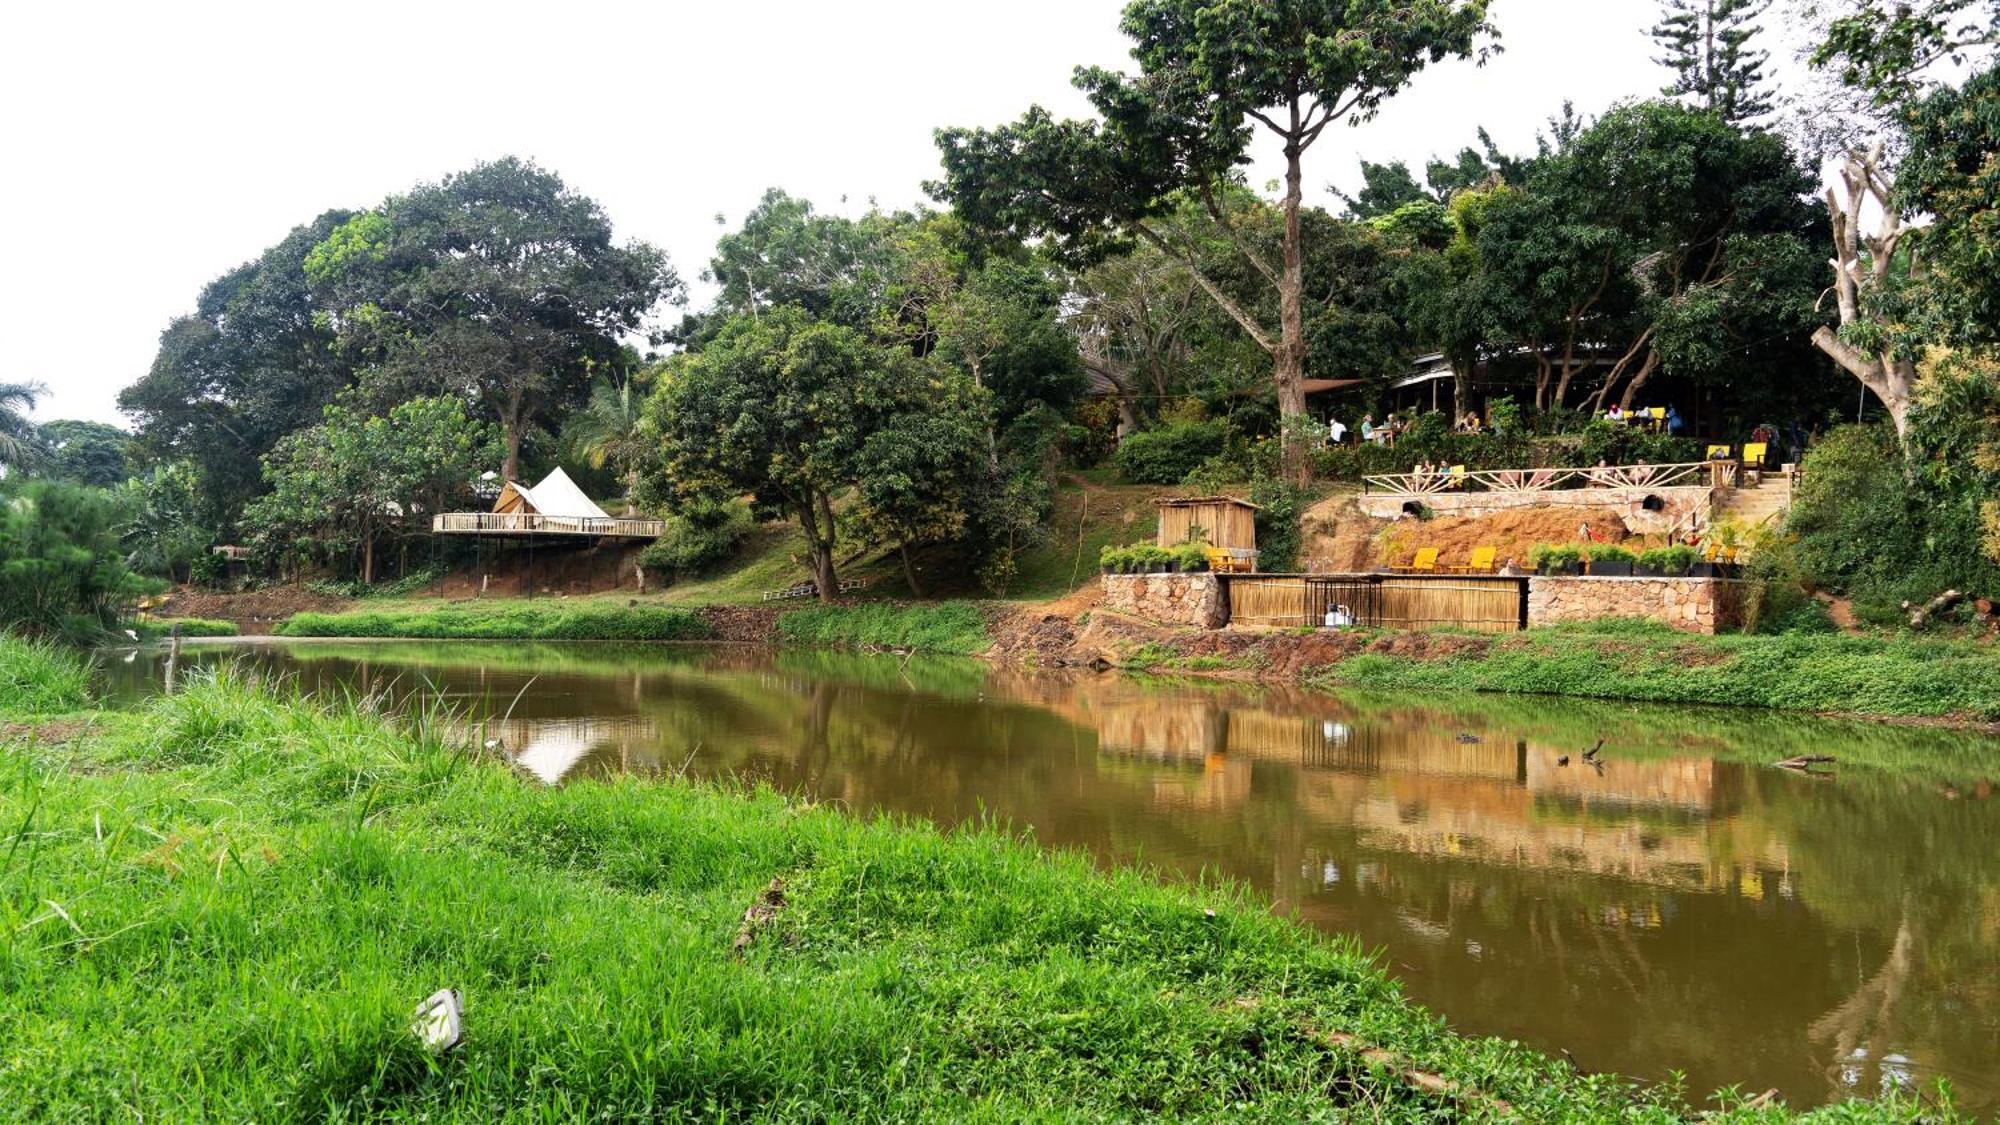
[[1426, 562], [1718, 453], [1457, 480], [1483, 561], [1754, 454]]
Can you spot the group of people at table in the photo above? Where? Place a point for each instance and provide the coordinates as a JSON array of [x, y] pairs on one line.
[[1384, 433]]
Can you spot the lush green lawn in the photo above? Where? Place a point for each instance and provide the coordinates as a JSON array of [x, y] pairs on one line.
[[1881, 676], [160, 627], [228, 905], [545, 620]]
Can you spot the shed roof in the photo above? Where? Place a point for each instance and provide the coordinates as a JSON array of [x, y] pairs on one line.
[[1200, 501]]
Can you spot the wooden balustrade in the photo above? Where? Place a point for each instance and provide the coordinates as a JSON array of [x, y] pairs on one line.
[[524, 523], [1693, 474]]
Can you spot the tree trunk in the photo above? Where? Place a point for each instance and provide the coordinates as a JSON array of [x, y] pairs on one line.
[[816, 521], [510, 425], [367, 555], [1893, 382], [1646, 370], [909, 571], [1291, 354]]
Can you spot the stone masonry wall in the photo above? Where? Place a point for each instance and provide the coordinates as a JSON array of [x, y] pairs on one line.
[[1169, 599], [1692, 605], [1682, 507]]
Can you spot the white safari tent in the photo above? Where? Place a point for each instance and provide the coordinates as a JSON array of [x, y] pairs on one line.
[[556, 506]]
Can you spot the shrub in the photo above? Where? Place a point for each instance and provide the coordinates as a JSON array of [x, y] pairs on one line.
[[1192, 558], [1168, 455], [1611, 554], [62, 568], [699, 537]]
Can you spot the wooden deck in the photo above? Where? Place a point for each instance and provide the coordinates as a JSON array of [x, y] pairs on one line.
[[512, 524]]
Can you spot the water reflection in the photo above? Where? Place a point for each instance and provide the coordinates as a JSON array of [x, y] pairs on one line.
[[1685, 906]]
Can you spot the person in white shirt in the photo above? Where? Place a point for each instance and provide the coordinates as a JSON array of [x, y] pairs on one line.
[[1335, 431]]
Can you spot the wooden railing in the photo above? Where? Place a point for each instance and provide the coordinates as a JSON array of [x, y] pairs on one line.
[[496, 523], [1693, 474]]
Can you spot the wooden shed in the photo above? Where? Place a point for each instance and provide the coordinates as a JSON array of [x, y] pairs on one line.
[[1225, 522]]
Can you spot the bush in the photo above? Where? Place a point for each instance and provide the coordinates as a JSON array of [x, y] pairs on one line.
[[698, 537], [1554, 556], [62, 568], [1168, 455], [951, 628], [1191, 558], [598, 621], [1279, 535], [1611, 554]]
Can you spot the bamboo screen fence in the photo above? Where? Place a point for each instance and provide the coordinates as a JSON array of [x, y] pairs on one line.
[[1483, 605]]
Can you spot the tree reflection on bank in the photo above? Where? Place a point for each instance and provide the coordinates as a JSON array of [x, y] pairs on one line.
[[1685, 907]]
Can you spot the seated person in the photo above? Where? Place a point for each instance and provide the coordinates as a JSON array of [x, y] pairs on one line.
[[1370, 431], [1615, 414], [1336, 432], [1675, 425]]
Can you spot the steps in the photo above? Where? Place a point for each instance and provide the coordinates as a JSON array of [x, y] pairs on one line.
[[1753, 507]]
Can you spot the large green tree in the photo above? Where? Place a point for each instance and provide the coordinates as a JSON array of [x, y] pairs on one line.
[[1211, 74], [1891, 52], [254, 361], [498, 284], [91, 453], [1710, 47], [61, 570], [352, 483], [800, 413]]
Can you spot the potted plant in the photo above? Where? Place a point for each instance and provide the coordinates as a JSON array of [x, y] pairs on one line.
[[1565, 558], [1665, 562], [1151, 559], [1191, 558], [1611, 562], [1111, 560]]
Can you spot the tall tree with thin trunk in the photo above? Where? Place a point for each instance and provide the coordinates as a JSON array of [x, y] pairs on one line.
[[1212, 75], [1709, 45]]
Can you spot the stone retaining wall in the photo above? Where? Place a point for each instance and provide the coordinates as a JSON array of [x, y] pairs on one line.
[[1681, 507], [1692, 605], [1169, 599]]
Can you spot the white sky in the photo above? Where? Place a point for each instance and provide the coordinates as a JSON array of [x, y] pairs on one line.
[[150, 147]]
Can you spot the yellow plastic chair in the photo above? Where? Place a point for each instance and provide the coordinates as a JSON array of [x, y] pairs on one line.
[[1426, 562], [1718, 452], [1483, 561], [1221, 561], [1458, 476], [1659, 413], [1754, 453]]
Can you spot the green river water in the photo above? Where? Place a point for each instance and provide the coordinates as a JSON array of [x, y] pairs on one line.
[[1687, 907]]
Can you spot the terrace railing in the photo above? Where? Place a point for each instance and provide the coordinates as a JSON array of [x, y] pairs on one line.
[[522, 523], [1693, 474]]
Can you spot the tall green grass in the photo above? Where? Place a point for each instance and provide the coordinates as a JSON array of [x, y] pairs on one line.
[[156, 628], [231, 908], [1888, 677], [536, 621], [949, 628], [39, 677]]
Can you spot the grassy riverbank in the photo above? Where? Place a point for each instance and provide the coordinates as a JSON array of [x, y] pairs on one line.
[[946, 628], [1888, 677], [227, 905], [504, 620]]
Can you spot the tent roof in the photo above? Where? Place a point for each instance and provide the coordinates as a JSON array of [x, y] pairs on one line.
[[558, 495]]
